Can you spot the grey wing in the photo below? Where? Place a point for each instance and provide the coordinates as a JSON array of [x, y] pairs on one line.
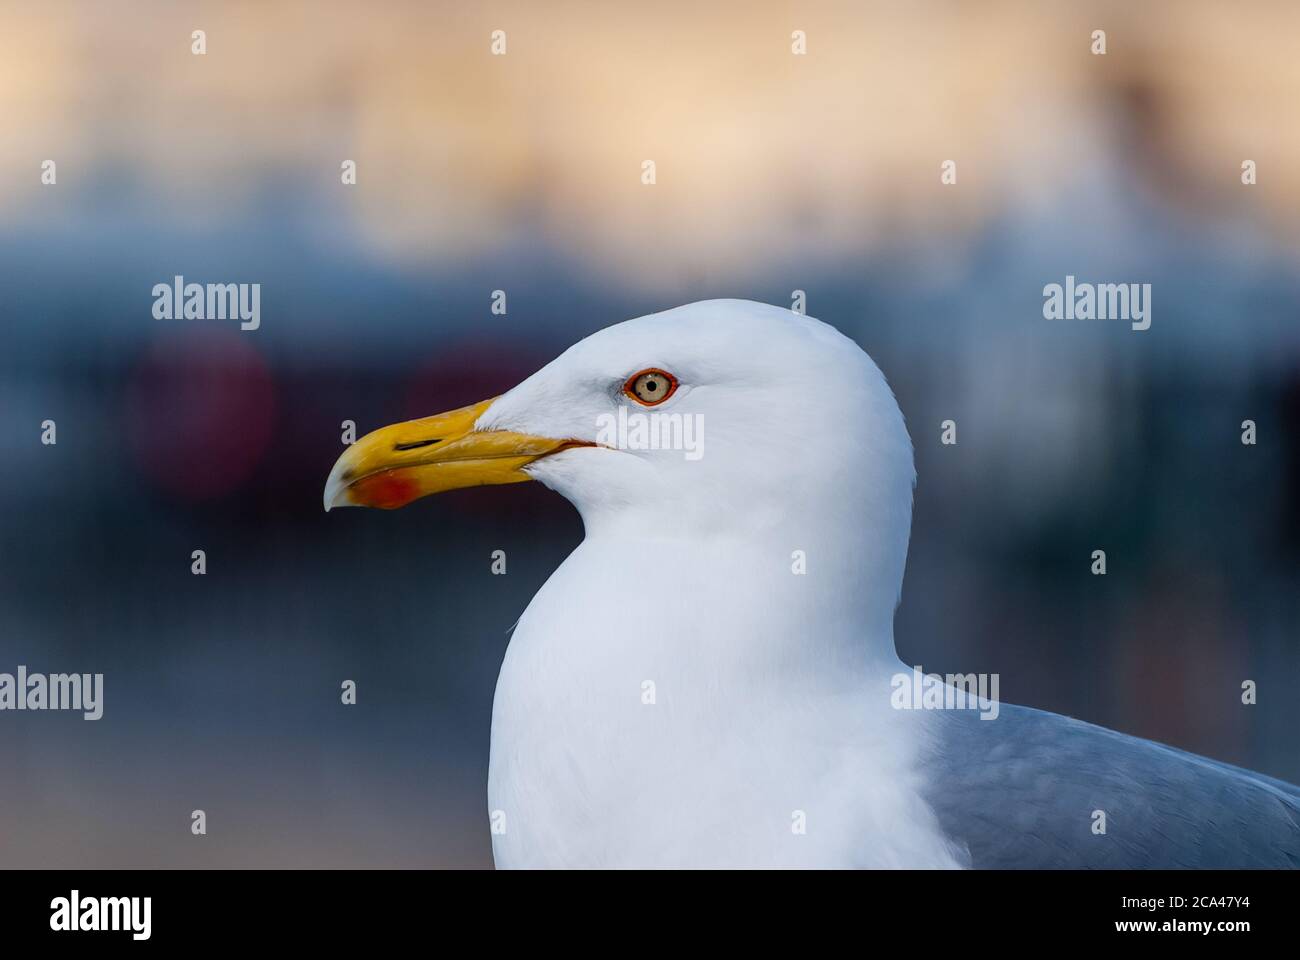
[[1022, 791]]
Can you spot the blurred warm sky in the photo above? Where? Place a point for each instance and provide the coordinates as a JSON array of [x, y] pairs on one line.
[[462, 153]]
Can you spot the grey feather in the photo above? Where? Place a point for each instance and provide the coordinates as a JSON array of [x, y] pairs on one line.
[[1020, 791]]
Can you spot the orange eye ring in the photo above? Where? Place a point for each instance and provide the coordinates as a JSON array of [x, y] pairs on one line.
[[651, 386]]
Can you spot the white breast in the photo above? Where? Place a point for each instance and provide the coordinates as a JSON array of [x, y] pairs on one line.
[[649, 713]]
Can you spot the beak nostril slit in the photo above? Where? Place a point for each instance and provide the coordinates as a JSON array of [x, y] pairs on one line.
[[416, 443]]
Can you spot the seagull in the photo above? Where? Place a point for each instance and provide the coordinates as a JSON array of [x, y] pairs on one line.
[[707, 680]]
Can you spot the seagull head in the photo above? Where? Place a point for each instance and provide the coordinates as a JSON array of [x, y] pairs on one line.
[[722, 417]]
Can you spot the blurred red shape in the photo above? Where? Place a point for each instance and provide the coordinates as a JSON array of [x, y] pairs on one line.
[[200, 411]]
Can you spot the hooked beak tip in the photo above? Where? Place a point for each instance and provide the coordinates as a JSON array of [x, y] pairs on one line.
[[336, 491]]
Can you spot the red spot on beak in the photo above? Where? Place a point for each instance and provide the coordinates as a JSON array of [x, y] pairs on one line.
[[387, 491]]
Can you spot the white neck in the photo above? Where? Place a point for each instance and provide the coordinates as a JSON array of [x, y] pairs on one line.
[[758, 711]]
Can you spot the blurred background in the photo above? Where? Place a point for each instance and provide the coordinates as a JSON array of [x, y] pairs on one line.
[[522, 172]]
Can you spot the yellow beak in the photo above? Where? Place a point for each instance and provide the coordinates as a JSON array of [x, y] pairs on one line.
[[394, 465]]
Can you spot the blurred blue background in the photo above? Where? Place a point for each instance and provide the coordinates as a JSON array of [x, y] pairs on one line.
[[521, 172]]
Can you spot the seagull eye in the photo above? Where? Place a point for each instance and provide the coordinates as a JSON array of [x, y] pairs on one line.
[[650, 387]]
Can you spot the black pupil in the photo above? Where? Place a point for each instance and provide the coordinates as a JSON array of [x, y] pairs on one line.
[[652, 385]]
